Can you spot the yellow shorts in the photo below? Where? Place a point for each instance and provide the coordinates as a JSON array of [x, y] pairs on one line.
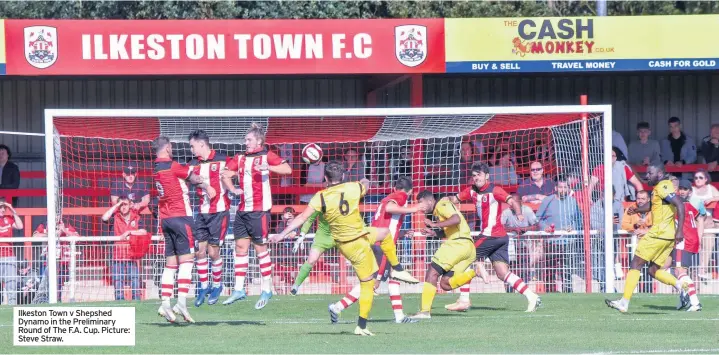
[[654, 250], [455, 255], [359, 253]]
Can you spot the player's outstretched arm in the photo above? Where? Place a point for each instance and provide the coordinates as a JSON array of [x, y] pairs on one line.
[[394, 208], [449, 222], [281, 169], [296, 223]]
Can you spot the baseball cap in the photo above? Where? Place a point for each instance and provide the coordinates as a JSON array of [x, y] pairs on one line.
[[685, 184], [130, 169]]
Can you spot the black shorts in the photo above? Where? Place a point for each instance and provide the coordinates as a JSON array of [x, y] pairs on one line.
[[253, 225], [212, 227], [178, 235], [684, 259], [384, 266], [496, 249]]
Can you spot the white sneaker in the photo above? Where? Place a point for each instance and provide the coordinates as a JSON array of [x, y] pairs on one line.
[[403, 276], [616, 305], [166, 312], [363, 332], [533, 302], [695, 308], [182, 310], [421, 315]]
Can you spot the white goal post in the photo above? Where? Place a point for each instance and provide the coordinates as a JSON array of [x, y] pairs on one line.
[[409, 123]]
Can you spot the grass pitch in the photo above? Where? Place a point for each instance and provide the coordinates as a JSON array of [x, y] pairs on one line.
[[567, 323]]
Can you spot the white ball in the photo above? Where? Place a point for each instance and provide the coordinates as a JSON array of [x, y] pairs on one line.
[[312, 153]]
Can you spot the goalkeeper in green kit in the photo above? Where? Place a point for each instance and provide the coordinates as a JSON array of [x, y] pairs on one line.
[[323, 242]]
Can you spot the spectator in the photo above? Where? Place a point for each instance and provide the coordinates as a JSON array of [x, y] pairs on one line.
[[136, 192], [502, 172], [645, 151], [9, 172], [355, 168], [618, 141], [710, 152], [376, 158], [596, 219], [622, 177], [678, 148], [559, 210], [535, 247], [541, 151], [704, 193], [402, 165], [62, 250], [288, 214], [466, 158], [9, 220], [638, 223], [537, 187], [315, 178], [126, 225]]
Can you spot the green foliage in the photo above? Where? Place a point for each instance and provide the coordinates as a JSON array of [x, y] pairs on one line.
[[338, 9]]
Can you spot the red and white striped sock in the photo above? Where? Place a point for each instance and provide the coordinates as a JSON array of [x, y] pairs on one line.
[[518, 284], [692, 291], [242, 262], [350, 298], [464, 293], [184, 278], [265, 270], [217, 272], [396, 299], [202, 266], [168, 282]]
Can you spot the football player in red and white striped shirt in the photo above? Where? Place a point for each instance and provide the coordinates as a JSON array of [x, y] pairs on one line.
[[213, 219], [493, 241], [252, 221], [171, 180], [388, 220], [686, 254]]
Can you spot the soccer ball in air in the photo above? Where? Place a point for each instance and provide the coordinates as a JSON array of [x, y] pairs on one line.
[[312, 153]]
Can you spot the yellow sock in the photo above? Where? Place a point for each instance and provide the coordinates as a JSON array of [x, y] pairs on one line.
[[390, 250], [631, 283], [365, 301], [666, 278], [462, 278], [428, 292]]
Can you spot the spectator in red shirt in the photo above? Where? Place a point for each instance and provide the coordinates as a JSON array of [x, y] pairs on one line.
[[126, 225], [8, 262], [62, 255], [622, 177]]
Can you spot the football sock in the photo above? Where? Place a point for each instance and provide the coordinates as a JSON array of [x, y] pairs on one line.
[[630, 283], [692, 290], [464, 293], [428, 292], [460, 279], [365, 302], [184, 278], [390, 251], [217, 272], [396, 299], [517, 283], [667, 278], [202, 266], [168, 282], [242, 262], [265, 270], [349, 299], [302, 274]]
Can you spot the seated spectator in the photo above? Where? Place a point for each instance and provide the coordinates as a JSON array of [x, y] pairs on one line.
[[315, 178], [9, 220], [62, 253], [678, 148], [502, 172], [402, 164], [704, 193], [135, 191], [618, 141], [126, 225], [622, 177], [710, 152], [9, 172], [376, 157], [511, 223], [638, 223], [466, 159], [645, 151], [355, 167], [559, 211], [288, 214], [537, 187]]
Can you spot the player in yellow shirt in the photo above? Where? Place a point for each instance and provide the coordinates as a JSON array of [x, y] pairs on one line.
[[656, 246], [339, 203], [453, 258]]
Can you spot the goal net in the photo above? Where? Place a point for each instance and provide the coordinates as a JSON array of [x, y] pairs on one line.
[[96, 154]]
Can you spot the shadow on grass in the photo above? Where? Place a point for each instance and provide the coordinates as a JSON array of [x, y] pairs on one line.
[[332, 333], [206, 323], [660, 308]]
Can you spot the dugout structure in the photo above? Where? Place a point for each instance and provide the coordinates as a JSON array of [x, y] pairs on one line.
[[86, 148]]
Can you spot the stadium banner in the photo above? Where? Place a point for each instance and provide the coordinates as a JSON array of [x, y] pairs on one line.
[[578, 44], [171, 47], [2, 47]]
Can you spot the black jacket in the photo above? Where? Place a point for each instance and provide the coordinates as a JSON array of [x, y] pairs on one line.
[[10, 178]]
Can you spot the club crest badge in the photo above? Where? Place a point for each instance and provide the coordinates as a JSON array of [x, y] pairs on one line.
[[41, 46], [410, 44]]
